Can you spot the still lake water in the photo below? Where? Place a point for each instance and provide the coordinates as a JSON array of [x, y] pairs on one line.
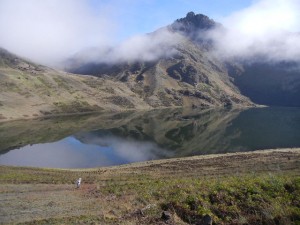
[[119, 138]]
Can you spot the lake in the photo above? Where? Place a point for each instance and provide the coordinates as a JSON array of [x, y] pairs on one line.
[[118, 138]]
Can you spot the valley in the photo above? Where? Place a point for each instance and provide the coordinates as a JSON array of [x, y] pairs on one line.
[[162, 130]]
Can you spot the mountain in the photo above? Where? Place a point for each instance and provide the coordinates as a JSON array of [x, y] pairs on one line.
[[28, 90], [191, 76], [193, 71], [265, 82]]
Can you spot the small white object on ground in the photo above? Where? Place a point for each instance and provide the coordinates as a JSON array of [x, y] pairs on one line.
[[78, 182]]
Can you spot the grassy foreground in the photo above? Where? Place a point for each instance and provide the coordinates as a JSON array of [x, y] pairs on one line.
[[261, 187]]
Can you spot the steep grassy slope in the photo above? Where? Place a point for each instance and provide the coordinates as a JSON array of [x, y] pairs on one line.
[[28, 90]]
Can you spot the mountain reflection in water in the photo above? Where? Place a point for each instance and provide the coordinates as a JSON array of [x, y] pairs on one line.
[[118, 138]]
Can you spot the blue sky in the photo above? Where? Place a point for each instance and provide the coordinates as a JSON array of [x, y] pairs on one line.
[[143, 16]]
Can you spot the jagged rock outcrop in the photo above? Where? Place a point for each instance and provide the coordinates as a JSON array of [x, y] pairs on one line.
[[194, 26]]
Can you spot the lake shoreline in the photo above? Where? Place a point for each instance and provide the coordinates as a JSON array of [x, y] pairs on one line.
[[37, 117], [196, 158], [200, 157]]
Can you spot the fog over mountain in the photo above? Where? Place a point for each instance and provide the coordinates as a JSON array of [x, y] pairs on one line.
[[268, 28], [51, 31], [146, 47]]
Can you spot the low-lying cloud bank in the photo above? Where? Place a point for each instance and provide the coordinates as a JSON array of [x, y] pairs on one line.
[[51, 31], [147, 47], [268, 28]]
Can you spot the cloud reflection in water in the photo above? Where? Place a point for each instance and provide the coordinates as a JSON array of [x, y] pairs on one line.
[[71, 153]]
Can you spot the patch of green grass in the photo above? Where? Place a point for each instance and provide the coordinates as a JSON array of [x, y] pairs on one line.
[[62, 83], [9, 86], [28, 175], [121, 101], [43, 82], [96, 83], [253, 199], [75, 107]]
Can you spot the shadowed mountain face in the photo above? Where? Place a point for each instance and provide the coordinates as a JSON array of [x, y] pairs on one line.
[[274, 84]]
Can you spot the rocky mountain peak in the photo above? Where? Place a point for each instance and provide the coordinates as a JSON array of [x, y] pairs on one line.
[[193, 23]]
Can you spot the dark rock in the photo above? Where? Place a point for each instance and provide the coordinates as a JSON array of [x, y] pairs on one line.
[[185, 73], [139, 212], [206, 220], [166, 215], [193, 22], [190, 15], [195, 27]]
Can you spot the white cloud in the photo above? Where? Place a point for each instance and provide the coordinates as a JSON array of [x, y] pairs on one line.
[[48, 31], [146, 47], [126, 149], [267, 27]]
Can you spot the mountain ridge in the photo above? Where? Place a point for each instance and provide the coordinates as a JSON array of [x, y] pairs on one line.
[[29, 90]]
